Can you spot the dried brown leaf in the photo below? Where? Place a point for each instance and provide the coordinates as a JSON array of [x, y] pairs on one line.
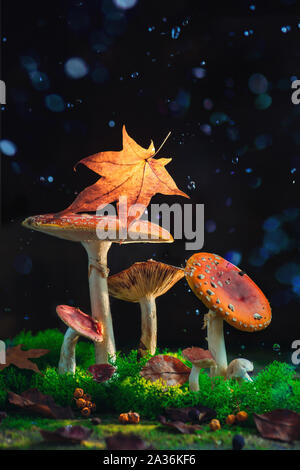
[[36, 402], [16, 356], [281, 424], [180, 426], [67, 434], [166, 368], [122, 441]]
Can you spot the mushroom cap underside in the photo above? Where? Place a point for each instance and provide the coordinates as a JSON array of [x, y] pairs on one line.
[[86, 227], [228, 291], [80, 322], [144, 279]]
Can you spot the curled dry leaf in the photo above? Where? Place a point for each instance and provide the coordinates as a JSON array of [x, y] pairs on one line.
[[122, 441], [67, 434], [166, 368], [102, 372], [281, 425], [36, 402], [19, 358], [180, 426], [196, 414], [131, 172]]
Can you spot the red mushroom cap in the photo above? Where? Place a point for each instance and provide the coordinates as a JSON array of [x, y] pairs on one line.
[[84, 324], [228, 291], [102, 372], [199, 356]]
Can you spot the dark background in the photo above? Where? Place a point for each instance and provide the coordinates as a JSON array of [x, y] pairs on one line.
[[235, 148]]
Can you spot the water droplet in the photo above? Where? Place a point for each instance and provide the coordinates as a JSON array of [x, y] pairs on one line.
[[175, 32]]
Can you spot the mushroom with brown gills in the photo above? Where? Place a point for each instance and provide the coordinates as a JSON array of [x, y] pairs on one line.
[[143, 282], [97, 233], [230, 295], [200, 359]]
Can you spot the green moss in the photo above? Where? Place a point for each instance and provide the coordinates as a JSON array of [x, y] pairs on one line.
[[273, 387]]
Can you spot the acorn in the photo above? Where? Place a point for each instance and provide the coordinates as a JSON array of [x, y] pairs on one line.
[[87, 397], [93, 407], [241, 416], [215, 425], [133, 418], [85, 412], [80, 403], [123, 418], [78, 393], [230, 419]]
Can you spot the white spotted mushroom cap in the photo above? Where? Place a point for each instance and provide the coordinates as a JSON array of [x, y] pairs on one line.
[[228, 291]]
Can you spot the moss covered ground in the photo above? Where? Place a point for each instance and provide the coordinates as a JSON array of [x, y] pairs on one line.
[[275, 386]]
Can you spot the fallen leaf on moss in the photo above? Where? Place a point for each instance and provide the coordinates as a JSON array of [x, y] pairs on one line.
[[131, 172], [121, 441], [281, 425], [180, 426], [166, 368], [195, 414], [102, 372], [67, 434], [16, 356], [36, 402]]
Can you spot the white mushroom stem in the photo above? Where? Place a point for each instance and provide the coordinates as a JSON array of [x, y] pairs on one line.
[[216, 343], [194, 378], [100, 307], [148, 339], [67, 360]]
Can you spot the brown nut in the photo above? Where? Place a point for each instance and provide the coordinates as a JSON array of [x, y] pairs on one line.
[[123, 418], [78, 393], [215, 425], [241, 416], [86, 412], [230, 419], [133, 418], [80, 403]]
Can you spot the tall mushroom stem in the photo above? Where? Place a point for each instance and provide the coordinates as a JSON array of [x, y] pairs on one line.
[[194, 378], [148, 339], [216, 343], [98, 272], [67, 360]]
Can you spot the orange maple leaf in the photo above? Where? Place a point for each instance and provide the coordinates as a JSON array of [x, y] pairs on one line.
[[131, 172], [16, 356]]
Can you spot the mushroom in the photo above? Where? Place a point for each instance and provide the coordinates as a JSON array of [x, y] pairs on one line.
[[79, 324], [143, 282], [230, 295], [238, 369], [87, 229], [200, 359]]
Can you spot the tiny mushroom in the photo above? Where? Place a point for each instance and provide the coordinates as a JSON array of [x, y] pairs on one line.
[[79, 324], [200, 359], [238, 369], [97, 233], [143, 282], [230, 295]]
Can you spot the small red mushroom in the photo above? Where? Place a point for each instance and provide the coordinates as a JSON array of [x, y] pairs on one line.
[[230, 295], [200, 359]]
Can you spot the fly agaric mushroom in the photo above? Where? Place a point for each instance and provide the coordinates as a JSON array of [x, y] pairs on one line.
[[142, 283], [200, 359], [238, 369], [79, 324], [86, 229], [230, 295]]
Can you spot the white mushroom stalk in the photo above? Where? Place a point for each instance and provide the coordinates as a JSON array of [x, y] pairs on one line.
[[67, 359], [216, 343], [98, 273], [148, 339], [194, 378], [200, 359]]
